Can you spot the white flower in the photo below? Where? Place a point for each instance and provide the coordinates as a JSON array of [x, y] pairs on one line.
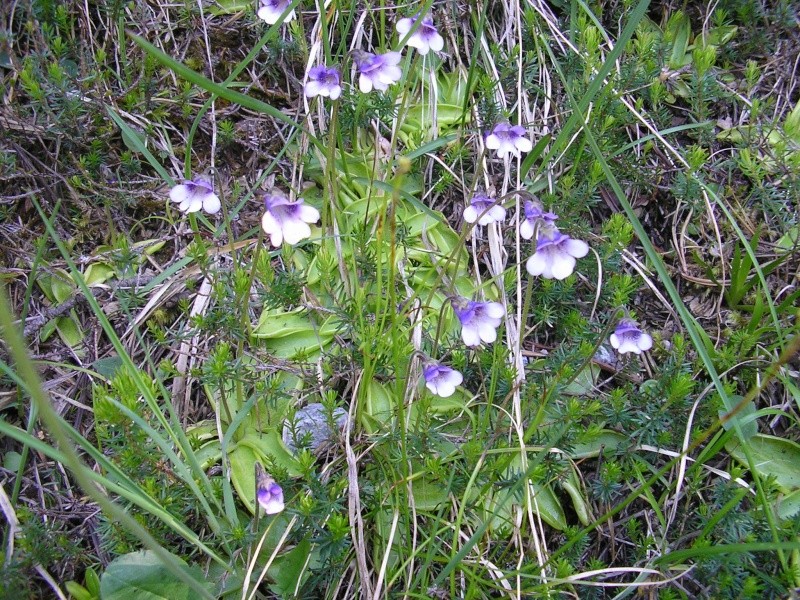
[[271, 10], [268, 493], [555, 255], [194, 195], [507, 138], [484, 210], [425, 38], [534, 215], [479, 320], [323, 81], [627, 337], [377, 71], [441, 380], [286, 220]]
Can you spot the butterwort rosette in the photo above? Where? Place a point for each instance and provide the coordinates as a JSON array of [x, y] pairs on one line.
[[271, 10], [506, 138], [627, 337], [479, 320], [286, 220], [268, 493], [195, 194], [484, 210], [556, 254], [441, 380], [324, 81], [377, 71], [535, 215], [425, 38]]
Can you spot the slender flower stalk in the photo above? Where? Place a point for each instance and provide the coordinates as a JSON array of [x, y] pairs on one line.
[[425, 38], [195, 194], [627, 337]]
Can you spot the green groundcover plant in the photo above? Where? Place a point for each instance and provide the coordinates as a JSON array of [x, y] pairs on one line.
[[502, 304]]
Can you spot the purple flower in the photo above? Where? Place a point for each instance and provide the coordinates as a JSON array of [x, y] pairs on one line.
[[194, 195], [441, 380], [323, 81], [425, 38], [484, 210], [377, 71], [507, 138], [479, 320], [286, 220], [627, 337], [555, 255], [271, 10], [268, 493], [534, 213]]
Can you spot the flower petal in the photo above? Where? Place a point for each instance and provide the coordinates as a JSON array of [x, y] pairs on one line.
[[211, 204], [313, 88], [561, 265], [526, 230], [524, 144], [495, 310], [576, 248], [487, 332], [179, 193], [404, 25], [365, 84], [335, 92], [645, 342], [436, 43], [492, 142], [295, 230], [470, 336], [307, 213], [470, 214], [537, 264]]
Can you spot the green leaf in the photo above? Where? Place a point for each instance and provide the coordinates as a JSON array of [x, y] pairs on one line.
[[69, 331], [108, 366], [142, 576], [772, 456], [745, 416], [789, 505], [77, 591], [607, 440], [287, 572]]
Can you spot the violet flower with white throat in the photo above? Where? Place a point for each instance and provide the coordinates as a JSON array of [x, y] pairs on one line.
[[271, 10], [555, 254], [441, 380], [627, 337], [484, 210], [195, 194], [425, 38], [324, 81], [285, 220], [508, 139], [268, 493], [377, 71], [534, 215], [479, 320]]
